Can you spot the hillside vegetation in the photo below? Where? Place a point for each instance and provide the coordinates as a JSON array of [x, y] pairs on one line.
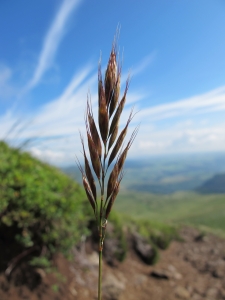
[[41, 209], [206, 211]]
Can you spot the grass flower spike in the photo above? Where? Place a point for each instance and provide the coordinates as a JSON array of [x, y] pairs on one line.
[[105, 147]]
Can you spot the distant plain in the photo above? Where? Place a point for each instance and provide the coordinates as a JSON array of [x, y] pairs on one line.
[[167, 189]]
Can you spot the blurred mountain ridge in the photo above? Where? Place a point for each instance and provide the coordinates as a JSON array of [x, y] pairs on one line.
[[216, 184]]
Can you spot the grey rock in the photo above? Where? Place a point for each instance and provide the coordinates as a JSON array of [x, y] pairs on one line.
[[112, 287], [170, 273], [145, 251], [93, 259], [160, 274], [182, 293]]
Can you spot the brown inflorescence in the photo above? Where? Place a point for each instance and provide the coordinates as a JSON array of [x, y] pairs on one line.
[[93, 153], [93, 129], [104, 144], [103, 117], [88, 172], [87, 188]]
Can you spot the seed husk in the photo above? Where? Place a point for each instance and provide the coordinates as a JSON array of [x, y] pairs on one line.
[[113, 137], [94, 156], [100, 84], [119, 140], [115, 94], [112, 180], [87, 187], [110, 76], [93, 153], [88, 172], [103, 117], [93, 130], [113, 196], [123, 155], [116, 118], [88, 193]]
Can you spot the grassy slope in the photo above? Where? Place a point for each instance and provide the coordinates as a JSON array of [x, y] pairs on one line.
[[40, 204], [182, 207]]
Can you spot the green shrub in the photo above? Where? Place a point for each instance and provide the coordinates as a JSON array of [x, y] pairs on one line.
[[119, 235], [39, 205], [159, 234]]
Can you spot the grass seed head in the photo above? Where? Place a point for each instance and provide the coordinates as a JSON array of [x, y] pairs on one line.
[[120, 140], [116, 118], [113, 137], [87, 187], [112, 181], [93, 153], [110, 76], [93, 129], [123, 155], [88, 172], [103, 117], [88, 193], [113, 196], [115, 94]]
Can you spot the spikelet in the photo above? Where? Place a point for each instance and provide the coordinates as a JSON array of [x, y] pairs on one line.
[[115, 94], [110, 76], [93, 129], [100, 83], [93, 152], [113, 137], [87, 187], [112, 180], [113, 196], [116, 118], [120, 140], [103, 118], [123, 155], [88, 171]]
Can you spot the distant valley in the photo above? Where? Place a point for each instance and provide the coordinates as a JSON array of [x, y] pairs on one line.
[[182, 189], [169, 174]]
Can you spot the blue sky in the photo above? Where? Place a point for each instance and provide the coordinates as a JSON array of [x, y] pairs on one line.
[[175, 51]]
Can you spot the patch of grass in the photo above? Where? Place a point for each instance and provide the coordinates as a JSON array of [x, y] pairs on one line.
[[118, 234], [55, 288], [180, 208]]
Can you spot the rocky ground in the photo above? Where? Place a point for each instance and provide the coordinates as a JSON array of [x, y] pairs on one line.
[[192, 269]]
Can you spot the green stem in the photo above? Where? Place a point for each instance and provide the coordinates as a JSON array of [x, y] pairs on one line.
[[100, 266], [100, 230]]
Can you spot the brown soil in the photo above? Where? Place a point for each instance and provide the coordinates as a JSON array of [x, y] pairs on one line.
[[192, 269]]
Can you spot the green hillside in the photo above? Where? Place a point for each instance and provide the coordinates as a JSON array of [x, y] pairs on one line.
[[216, 184], [40, 207], [206, 211], [43, 211]]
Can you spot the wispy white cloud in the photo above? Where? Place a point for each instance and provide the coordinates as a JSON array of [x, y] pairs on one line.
[[55, 125], [180, 139], [204, 103], [52, 40]]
